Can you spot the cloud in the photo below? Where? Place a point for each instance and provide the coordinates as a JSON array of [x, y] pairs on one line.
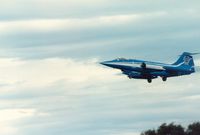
[[12, 114], [9, 116], [21, 74], [62, 96], [23, 82], [87, 8], [46, 25], [94, 36], [51, 82]]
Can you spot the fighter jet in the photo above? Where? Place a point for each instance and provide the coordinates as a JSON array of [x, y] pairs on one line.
[[140, 69]]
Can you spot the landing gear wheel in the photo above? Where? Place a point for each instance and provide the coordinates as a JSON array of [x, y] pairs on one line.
[[149, 80], [143, 65], [164, 79]]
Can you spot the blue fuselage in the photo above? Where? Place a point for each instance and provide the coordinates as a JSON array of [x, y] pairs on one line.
[[140, 69]]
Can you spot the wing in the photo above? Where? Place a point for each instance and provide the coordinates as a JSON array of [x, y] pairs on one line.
[[139, 75], [145, 71]]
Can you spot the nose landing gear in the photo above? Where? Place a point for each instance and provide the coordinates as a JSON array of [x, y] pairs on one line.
[[164, 79]]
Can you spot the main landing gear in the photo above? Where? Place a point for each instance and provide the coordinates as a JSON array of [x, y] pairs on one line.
[[164, 79], [149, 80]]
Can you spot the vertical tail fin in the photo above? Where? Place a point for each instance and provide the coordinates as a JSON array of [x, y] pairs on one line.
[[186, 61]]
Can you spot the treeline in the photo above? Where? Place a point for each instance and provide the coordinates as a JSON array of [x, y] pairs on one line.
[[175, 129]]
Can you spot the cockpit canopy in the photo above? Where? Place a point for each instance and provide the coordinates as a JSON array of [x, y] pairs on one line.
[[120, 59]]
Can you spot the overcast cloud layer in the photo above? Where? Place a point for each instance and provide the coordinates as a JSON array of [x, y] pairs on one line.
[[51, 82]]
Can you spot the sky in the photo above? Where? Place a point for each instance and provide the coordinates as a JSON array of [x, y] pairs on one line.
[[51, 80]]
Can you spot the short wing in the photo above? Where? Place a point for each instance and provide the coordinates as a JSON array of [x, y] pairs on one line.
[[139, 75]]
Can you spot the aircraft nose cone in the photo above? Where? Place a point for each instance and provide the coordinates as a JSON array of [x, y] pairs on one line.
[[108, 64], [104, 63]]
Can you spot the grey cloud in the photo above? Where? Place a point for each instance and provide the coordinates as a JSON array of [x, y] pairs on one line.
[[22, 9], [107, 113], [146, 33], [105, 105]]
